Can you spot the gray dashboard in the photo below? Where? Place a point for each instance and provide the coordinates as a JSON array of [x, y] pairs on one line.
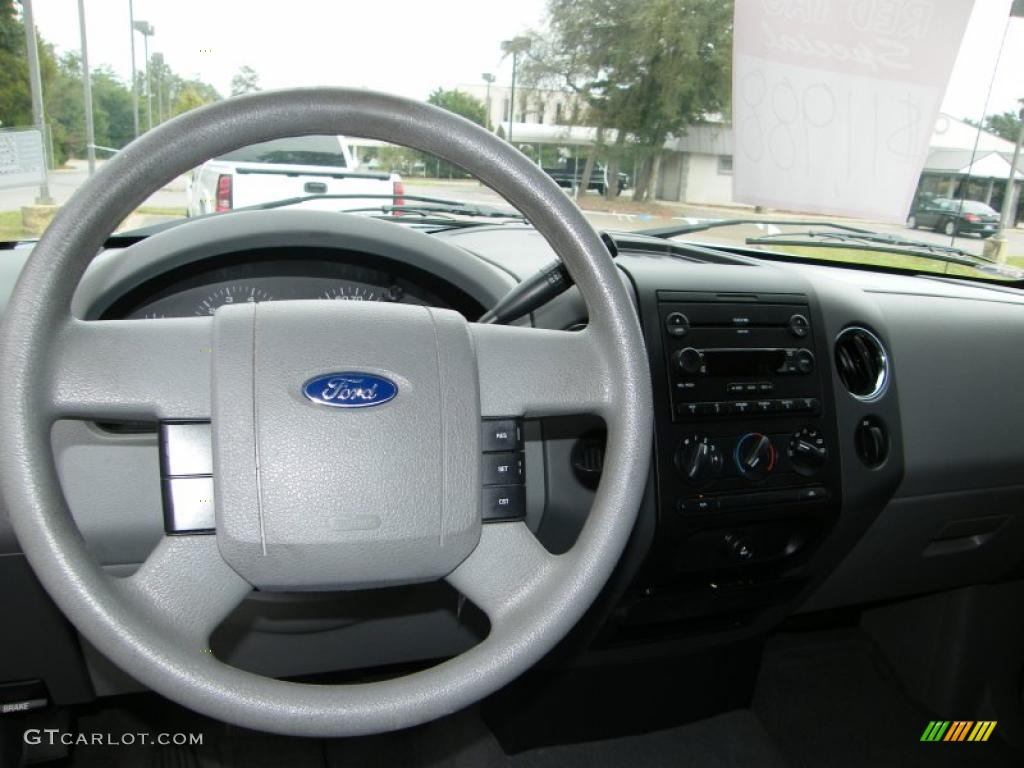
[[946, 509]]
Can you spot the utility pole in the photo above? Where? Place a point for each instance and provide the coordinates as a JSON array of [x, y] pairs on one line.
[[36, 86], [135, 80], [146, 30], [90, 136], [999, 246], [515, 46], [488, 78]]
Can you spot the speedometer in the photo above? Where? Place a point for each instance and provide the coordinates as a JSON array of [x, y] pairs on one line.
[[354, 292], [234, 293]]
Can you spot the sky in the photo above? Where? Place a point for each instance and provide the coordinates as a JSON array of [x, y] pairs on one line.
[[410, 47]]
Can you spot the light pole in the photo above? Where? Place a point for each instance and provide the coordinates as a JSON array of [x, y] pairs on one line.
[[146, 30], [515, 46], [488, 78], [135, 82], [999, 246], [36, 86], [90, 137]]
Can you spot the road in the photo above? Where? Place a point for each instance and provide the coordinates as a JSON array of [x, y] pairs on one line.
[[621, 216]]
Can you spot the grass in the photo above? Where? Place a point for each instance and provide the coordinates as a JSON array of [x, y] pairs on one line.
[[881, 259], [157, 210], [10, 226]]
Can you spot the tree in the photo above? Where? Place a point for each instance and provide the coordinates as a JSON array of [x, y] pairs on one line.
[[246, 80], [461, 103], [644, 71], [15, 100], [1006, 124]]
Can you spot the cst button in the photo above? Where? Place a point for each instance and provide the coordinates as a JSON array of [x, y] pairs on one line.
[[504, 502]]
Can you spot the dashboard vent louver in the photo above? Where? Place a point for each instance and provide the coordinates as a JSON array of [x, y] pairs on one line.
[[862, 363]]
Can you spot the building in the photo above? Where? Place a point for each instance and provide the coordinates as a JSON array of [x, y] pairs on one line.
[[697, 167], [541, 106]]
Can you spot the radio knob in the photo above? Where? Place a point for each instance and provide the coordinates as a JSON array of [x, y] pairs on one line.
[[807, 450], [804, 360], [688, 360], [698, 459], [755, 456]]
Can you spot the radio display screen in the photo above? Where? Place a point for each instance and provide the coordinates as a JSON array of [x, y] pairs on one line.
[[743, 362]]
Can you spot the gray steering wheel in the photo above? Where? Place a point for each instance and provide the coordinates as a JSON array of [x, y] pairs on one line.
[[393, 495]]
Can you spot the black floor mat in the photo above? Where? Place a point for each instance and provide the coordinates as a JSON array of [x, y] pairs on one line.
[[829, 699]]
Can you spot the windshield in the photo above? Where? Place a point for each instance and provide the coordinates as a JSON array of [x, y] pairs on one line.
[[296, 150], [791, 127]]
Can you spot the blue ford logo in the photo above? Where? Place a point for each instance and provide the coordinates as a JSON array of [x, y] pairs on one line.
[[350, 389]]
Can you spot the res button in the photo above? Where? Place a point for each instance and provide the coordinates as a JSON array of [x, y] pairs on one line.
[[501, 435]]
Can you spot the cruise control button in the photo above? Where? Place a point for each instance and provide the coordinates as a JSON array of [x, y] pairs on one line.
[[504, 502], [501, 435], [503, 468]]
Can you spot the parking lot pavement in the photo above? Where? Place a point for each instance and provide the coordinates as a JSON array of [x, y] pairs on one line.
[[65, 181]]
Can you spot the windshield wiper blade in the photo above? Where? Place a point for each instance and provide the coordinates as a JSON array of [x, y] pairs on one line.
[[842, 236], [667, 233], [434, 205]]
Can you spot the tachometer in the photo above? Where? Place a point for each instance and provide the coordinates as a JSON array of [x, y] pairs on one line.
[[231, 294]]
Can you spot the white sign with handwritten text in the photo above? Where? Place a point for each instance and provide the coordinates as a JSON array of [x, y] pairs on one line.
[[834, 101]]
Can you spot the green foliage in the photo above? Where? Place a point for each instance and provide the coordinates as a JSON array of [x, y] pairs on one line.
[[1006, 125], [461, 103], [63, 98], [246, 80]]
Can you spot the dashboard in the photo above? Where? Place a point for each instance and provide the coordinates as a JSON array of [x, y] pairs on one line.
[[765, 496]]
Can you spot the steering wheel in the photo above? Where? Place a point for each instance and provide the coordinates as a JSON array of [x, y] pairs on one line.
[[312, 498]]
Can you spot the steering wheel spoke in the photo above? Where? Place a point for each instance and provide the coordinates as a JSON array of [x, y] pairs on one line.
[[186, 584], [133, 369], [533, 372], [505, 566]]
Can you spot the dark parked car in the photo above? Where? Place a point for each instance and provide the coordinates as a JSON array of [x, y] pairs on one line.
[[570, 174], [954, 217]]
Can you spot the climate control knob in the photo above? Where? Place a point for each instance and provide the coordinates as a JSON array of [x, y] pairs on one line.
[[755, 456], [698, 459], [807, 451]]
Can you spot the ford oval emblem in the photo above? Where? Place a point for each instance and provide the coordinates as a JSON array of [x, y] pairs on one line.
[[350, 389]]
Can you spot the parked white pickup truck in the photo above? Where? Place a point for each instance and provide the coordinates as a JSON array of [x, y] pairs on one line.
[[282, 169]]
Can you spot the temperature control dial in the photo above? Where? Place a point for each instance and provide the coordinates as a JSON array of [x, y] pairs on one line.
[[755, 456], [807, 450], [698, 459]]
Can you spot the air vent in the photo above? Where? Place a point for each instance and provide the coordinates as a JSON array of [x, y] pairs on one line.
[[862, 362]]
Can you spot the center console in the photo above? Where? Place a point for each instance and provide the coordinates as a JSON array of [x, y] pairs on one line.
[[747, 458]]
